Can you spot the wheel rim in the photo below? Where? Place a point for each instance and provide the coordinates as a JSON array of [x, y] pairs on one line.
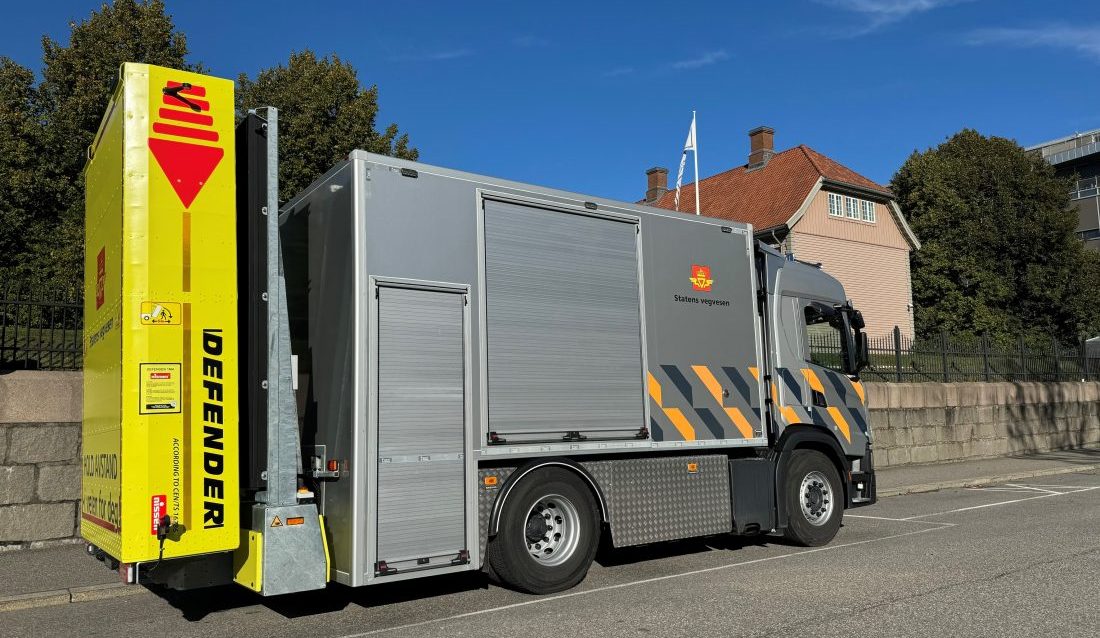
[[553, 530], [816, 498]]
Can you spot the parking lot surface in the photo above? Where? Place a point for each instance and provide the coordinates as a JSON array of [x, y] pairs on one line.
[[1014, 559]]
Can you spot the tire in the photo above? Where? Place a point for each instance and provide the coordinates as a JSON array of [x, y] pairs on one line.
[[814, 497], [558, 499]]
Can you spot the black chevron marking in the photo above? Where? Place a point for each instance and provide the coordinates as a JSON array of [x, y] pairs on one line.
[[711, 422], [680, 381]]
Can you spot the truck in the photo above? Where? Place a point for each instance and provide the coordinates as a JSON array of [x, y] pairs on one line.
[[407, 371]]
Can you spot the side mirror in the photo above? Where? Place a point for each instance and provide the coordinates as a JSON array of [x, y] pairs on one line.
[[863, 351], [857, 320]]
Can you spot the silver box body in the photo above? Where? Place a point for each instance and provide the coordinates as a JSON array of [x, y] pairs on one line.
[[537, 322]]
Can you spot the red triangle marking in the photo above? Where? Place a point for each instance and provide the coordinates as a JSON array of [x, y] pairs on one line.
[[187, 166]]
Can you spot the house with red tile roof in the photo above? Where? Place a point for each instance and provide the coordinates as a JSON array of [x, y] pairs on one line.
[[818, 210]]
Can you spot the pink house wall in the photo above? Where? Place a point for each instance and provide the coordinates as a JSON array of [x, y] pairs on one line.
[[871, 260]]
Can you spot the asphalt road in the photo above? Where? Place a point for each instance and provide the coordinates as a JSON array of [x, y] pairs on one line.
[[1011, 560]]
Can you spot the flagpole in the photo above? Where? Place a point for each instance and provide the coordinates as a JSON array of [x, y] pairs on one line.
[[696, 154]]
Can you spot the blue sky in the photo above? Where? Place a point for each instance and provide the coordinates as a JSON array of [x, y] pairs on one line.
[[586, 96]]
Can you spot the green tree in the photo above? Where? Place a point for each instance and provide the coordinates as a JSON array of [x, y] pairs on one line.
[[20, 169], [324, 113], [999, 255], [77, 81]]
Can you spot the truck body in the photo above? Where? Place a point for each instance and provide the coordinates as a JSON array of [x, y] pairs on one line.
[[442, 372]]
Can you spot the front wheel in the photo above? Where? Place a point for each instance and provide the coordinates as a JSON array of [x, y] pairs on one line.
[[814, 498], [548, 535]]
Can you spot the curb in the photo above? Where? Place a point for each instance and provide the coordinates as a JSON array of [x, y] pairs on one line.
[[984, 480], [70, 595]]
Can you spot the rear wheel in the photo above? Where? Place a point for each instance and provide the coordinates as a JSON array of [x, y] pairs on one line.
[[548, 534], [814, 498]]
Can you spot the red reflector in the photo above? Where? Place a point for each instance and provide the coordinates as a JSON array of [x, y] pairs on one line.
[[295, 520], [333, 465]]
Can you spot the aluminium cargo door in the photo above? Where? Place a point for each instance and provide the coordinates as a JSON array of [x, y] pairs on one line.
[[421, 429], [563, 324]]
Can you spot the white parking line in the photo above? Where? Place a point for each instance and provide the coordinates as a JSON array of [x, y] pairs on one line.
[[900, 520], [644, 581], [998, 504], [1062, 486], [1014, 490]]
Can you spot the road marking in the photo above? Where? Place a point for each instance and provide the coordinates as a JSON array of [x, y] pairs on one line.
[[644, 581], [1014, 490], [998, 504], [1048, 488], [900, 520], [1062, 486]]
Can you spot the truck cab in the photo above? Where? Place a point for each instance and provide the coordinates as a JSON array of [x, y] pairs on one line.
[[817, 390]]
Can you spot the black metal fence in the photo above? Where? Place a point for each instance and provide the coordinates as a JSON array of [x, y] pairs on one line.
[[896, 358], [39, 330]]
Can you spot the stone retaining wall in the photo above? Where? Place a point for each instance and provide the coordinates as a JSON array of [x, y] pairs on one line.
[[928, 422], [39, 457], [912, 423]]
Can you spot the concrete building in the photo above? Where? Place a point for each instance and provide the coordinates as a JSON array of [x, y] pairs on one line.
[[815, 209], [1078, 158]]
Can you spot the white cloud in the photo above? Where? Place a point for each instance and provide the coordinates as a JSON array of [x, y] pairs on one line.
[[706, 59], [435, 56], [1085, 39], [880, 13]]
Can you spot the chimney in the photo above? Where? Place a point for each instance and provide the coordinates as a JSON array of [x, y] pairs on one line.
[[761, 146], [656, 183]]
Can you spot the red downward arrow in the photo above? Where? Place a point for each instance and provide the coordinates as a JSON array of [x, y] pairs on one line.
[[187, 166]]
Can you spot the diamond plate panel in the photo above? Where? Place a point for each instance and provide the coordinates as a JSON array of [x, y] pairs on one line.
[[486, 498], [659, 499]]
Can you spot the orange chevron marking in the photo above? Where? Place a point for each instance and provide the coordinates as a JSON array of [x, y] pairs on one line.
[[708, 380], [674, 414], [788, 413], [740, 421], [811, 378], [715, 388], [858, 387], [841, 424], [654, 389], [680, 421]]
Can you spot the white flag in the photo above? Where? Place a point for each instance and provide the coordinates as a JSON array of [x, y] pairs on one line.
[[689, 145], [680, 178]]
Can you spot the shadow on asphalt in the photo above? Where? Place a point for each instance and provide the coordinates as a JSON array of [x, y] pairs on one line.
[[613, 557], [195, 605]]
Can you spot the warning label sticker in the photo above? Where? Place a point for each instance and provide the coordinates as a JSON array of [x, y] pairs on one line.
[[160, 388], [160, 313]]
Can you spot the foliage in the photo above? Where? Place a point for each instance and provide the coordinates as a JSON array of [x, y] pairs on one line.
[[999, 255], [324, 114], [60, 117], [20, 173], [46, 128]]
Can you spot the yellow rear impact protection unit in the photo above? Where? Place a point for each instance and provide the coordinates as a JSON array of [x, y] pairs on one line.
[[160, 457]]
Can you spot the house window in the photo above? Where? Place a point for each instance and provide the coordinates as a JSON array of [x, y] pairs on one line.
[[868, 211], [851, 208]]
